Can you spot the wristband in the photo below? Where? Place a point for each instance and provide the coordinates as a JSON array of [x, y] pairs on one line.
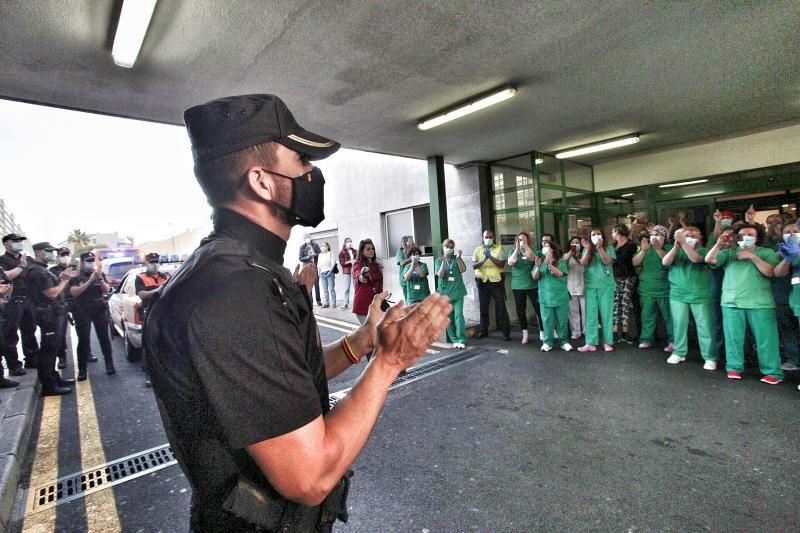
[[348, 351]]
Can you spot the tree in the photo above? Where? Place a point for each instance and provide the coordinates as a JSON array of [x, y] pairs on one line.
[[80, 241]]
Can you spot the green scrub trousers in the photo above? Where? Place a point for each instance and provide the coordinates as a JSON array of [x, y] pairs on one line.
[[456, 330], [651, 305], [702, 320], [556, 317], [599, 302], [765, 330]]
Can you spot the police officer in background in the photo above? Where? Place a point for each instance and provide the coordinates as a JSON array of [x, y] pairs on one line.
[[18, 313], [57, 269], [89, 290], [45, 289], [146, 285], [238, 369], [6, 289]]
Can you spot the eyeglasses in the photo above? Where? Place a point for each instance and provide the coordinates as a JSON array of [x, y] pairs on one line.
[[88, 260]]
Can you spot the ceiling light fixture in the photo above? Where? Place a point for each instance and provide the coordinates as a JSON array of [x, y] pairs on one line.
[[626, 194], [476, 104], [598, 147], [539, 161], [680, 184], [131, 29]]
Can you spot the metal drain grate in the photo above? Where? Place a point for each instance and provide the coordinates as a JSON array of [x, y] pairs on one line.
[[78, 485]]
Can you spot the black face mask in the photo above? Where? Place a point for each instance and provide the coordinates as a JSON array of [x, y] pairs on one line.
[[308, 198]]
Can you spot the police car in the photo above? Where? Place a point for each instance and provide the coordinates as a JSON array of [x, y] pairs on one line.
[[125, 309]]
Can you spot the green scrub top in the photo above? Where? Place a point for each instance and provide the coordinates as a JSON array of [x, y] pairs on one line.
[[689, 283], [794, 296], [744, 286], [553, 289], [521, 278], [597, 274], [452, 284], [401, 256], [416, 289], [653, 277]]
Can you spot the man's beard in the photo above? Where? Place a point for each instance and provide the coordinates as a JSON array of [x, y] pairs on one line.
[[277, 207]]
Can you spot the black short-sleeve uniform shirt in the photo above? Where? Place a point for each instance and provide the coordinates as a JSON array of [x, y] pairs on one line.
[[9, 262], [235, 358], [39, 279], [93, 296]]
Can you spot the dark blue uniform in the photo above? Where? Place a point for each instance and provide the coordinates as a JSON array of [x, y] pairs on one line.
[[18, 316], [50, 317], [89, 308]]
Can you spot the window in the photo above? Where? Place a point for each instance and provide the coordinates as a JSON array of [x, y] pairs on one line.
[[415, 222]]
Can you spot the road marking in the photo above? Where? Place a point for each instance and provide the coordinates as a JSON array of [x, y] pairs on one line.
[[334, 321], [45, 461]]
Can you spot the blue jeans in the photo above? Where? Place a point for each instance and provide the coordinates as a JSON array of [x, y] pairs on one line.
[[348, 281], [328, 281]]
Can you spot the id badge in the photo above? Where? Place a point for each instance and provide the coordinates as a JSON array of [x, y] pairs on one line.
[[451, 278], [796, 280], [416, 287]]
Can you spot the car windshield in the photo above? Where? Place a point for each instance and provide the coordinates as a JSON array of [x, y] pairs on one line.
[[117, 271]]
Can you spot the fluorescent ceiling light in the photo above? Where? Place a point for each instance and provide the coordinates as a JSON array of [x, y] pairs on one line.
[[133, 22], [539, 161], [785, 205], [470, 107], [598, 147], [681, 184], [627, 194]]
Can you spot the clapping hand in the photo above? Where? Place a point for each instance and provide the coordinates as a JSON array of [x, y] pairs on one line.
[[717, 216], [790, 249], [750, 215], [745, 254], [306, 275]]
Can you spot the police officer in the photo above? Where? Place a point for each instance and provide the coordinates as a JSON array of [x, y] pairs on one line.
[[147, 283], [89, 290], [18, 313], [233, 347], [45, 289], [6, 290], [57, 269]]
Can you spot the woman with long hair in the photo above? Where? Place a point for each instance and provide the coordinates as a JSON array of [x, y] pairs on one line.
[[325, 263], [551, 273], [449, 268], [598, 280], [523, 286], [368, 279], [577, 301], [416, 275]]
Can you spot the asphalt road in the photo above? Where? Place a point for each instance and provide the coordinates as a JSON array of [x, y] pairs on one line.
[[510, 441]]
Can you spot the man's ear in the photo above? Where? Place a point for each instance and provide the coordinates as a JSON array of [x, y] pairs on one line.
[[259, 183]]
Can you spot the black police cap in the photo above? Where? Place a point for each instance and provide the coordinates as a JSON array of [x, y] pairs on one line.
[[64, 251], [227, 125], [87, 255], [44, 246], [14, 237]]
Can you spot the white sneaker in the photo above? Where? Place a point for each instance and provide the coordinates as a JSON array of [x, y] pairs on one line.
[[675, 359], [709, 365], [541, 335], [567, 347], [546, 347], [789, 366]]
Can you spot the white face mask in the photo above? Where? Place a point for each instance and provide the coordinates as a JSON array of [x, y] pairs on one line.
[[308, 241], [691, 241], [725, 223], [545, 249], [747, 241], [88, 267], [448, 251], [596, 239], [488, 242], [323, 248], [152, 268], [415, 257], [63, 260], [787, 237], [655, 238]]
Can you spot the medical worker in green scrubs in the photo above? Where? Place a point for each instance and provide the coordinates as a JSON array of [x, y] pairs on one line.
[[523, 286], [449, 268], [690, 291], [653, 286], [403, 259], [599, 285], [789, 253], [416, 275], [551, 273], [747, 301]]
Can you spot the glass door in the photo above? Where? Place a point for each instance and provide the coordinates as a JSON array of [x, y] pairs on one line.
[[693, 212]]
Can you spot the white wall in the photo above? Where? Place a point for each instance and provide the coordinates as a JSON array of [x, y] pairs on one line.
[[773, 147]]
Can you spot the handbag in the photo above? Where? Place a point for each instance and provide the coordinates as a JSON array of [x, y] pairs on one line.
[[335, 268]]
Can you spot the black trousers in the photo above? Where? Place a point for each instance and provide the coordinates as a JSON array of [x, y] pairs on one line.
[[496, 291], [19, 315], [84, 318], [521, 297], [51, 328]]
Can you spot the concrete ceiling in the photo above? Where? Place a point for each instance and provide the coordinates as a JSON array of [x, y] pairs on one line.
[[365, 71]]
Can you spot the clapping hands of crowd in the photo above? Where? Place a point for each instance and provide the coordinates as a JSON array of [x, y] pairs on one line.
[[306, 275], [70, 273]]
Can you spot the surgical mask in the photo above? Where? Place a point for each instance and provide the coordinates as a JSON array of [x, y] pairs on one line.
[[725, 223], [747, 241], [88, 267], [63, 260], [488, 242], [655, 238], [323, 248], [308, 197], [415, 257], [152, 268], [691, 241], [596, 239], [308, 241], [49, 257], [545, 249], [788, 237], [448, 252], [17, 247]]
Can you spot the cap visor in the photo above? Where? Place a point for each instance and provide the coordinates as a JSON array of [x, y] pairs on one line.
[[312, 145]]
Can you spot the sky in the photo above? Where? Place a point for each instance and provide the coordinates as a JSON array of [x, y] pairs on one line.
[[62, 170]]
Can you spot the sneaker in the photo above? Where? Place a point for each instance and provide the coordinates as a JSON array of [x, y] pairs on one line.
[[769, 380], [675, 359], [567, 347], [669, 348], [541, 335], [734, 375], [345, 306], [710, 365], [644, 345], [19, 371], [608, 347], [587, 348], [789, 366], [546, 347], [8, 383], [626, 338]]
